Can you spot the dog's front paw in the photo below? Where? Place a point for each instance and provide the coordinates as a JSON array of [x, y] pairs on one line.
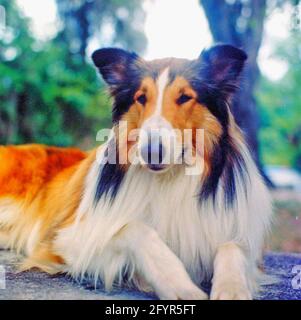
[[189, 292], [230, 291]]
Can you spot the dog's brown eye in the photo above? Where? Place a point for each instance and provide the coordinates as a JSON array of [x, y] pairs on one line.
[[142, 99], [183, 99]]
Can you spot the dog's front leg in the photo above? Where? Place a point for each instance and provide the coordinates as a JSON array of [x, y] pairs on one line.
[[156, 263], [230, 274]]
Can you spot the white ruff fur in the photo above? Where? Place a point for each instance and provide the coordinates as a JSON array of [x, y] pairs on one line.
[[162, 82], [154, 213]]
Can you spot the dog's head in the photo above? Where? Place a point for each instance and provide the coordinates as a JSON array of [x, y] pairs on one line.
[[165, 98]]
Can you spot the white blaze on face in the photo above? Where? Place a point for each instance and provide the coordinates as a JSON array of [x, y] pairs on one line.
[[162, 83], [157, 123]]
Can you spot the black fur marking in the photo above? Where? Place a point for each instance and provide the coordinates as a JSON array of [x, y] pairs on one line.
[[124, 98], [227, 168], [215, 81], [109, 180], [113, 64], [110, 175], [121, 72], [235, 171], [221, 66], [227, 164]]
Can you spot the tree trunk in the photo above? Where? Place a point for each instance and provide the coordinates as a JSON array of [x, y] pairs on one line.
[[241, 24], [83, 27], [76, 30], [24, 128]]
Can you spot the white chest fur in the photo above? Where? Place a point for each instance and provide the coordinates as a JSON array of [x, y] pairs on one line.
[[169, 204]]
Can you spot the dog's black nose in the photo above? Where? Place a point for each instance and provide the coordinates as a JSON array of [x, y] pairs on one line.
[[152, 153]]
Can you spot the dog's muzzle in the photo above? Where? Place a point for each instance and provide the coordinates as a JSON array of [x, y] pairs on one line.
[[153, 152]]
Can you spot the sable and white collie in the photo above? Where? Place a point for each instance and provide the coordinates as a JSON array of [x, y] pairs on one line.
[[162, 226]]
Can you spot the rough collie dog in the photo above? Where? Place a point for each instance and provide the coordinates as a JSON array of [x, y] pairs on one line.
[[139, 211]]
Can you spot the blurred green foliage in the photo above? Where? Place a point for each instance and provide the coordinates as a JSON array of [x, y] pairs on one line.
[[280, 109], [47, 95]]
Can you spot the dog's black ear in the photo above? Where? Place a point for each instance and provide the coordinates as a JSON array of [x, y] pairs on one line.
[[221, 66], [114, 64]]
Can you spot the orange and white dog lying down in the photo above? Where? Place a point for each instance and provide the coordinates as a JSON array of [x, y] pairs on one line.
[[152, 225]]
